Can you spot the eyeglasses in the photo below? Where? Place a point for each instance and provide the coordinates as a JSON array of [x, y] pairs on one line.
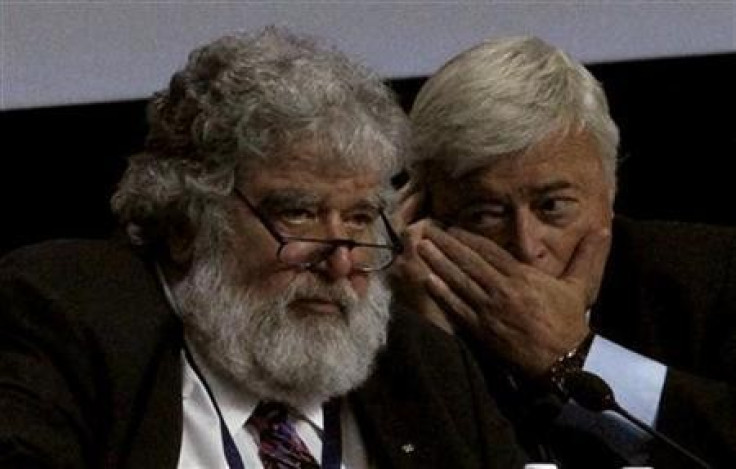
[[306, 253]]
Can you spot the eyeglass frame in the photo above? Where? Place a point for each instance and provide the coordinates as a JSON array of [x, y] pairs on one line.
[[396, 247]]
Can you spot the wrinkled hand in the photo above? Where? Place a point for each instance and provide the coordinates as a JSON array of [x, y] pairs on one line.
[[408, 207], [517, 312], [410, 276]]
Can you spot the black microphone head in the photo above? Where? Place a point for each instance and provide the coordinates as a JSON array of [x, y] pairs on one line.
[[590, 391]]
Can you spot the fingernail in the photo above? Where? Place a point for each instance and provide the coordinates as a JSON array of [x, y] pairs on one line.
[[435, 281], [423, 247]]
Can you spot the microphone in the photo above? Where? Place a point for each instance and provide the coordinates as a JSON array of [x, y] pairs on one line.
[[593, 393]]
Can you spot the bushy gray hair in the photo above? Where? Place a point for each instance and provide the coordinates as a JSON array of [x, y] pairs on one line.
[[503, 96], [242, 100]]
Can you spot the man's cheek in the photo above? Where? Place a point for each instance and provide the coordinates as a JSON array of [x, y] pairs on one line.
[[359, 284]]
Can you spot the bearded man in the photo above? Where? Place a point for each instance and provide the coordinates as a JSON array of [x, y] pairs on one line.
[[243, 321]]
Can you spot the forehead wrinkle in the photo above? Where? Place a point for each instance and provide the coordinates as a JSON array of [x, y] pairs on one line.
[[376, 200], [303, 197], [298, 181], [551, 186], [479, 189], [289, 197]]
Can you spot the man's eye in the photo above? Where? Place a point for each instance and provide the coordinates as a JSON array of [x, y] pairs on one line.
[[361, 220], [482, 217], [296, 216], [557, 207]]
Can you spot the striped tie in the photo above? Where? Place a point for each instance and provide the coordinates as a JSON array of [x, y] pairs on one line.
[[279, 446]]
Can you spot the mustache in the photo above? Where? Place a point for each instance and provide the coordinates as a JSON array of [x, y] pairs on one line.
[[309, 288]]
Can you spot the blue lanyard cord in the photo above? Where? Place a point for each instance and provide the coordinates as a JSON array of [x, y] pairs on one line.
[[228, 444], [331, 443]]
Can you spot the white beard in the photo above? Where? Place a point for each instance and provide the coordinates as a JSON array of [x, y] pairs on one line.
[[261, 345]]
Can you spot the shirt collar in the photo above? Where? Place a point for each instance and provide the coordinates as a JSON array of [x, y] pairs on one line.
[[235, 403]]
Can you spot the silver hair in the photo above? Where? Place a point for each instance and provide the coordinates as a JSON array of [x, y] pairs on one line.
[[503, 96], [240, 101]]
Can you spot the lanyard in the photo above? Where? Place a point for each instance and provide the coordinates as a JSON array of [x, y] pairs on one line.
[[331, 440]]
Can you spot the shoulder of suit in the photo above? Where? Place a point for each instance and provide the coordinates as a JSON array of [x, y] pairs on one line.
[[72, 257], [89, 280], [410, 333], [675, 238], [684, 253]]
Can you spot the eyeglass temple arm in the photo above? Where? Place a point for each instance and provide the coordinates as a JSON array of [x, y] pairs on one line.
[[395, 239], [264, 221]]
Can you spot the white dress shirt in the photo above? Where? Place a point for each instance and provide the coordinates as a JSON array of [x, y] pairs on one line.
[[202, 445], [637, 381]]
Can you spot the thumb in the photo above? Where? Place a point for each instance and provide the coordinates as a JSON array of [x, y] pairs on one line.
[[408, 209]]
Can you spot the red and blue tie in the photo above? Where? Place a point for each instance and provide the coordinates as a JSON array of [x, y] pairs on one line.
[[279, 446]]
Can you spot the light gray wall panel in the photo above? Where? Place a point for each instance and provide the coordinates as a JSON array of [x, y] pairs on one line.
[[62, 52]]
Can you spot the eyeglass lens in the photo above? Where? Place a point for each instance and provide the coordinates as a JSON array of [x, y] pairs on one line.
[[309, 253]]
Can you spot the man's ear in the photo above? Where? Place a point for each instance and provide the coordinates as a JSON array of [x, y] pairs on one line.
[[180, 251], [180, 245]]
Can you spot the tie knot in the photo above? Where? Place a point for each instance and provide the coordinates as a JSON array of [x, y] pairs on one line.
[[267, 415], [279, 446]]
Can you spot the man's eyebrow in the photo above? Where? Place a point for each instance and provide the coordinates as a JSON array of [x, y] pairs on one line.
[[552, 186], [478, 197], [374, 202], [287, 198], [487, 195]]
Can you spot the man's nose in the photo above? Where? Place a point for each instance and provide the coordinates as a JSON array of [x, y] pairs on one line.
[[339, 263], [525, 241]]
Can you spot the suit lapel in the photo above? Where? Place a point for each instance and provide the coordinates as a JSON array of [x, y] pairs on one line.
[[157, 441], [614, 314], [387, 432]]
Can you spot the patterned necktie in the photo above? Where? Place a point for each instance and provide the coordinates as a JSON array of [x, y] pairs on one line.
[[279, 446]]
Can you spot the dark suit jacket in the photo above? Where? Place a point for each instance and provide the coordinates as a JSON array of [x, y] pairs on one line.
[[669, 293], [90, 374]]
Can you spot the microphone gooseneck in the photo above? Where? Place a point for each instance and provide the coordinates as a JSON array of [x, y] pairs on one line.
[[591, 392]]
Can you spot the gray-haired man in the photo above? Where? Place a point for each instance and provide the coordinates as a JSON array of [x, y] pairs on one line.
[[517, 153]]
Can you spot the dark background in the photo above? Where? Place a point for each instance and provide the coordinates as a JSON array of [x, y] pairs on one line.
[[678, 142]]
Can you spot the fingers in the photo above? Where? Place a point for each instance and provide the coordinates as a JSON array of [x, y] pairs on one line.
[[409, 268], [454, 306], [435, 314], [452, 273], [441, 289], [411, 236], [409, 277], [461, 266], [588, 262], [411, 200], [491, 252], [485, 328]]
